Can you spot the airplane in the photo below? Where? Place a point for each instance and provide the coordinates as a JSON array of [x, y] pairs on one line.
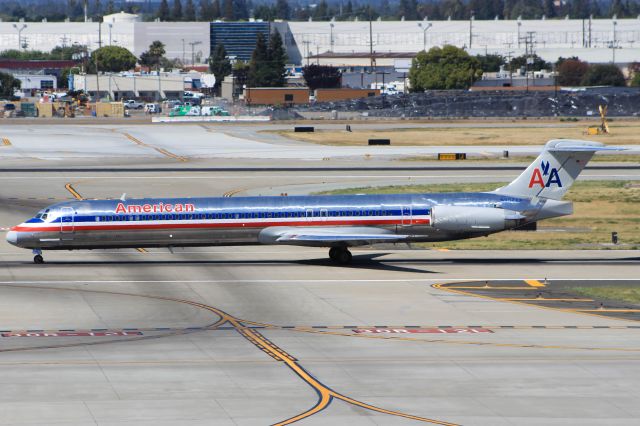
[[334, 221]]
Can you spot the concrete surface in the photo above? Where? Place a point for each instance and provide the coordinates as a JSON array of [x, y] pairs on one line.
[[259, 335], [199, 144]]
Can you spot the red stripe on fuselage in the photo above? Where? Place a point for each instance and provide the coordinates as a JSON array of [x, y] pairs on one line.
[[125, 226]]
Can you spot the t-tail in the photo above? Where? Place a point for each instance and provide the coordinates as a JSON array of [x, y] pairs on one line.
[[554, 171]]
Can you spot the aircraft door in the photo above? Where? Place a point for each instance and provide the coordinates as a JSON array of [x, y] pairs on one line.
[[323, 215], [67, 223], [407, 217]]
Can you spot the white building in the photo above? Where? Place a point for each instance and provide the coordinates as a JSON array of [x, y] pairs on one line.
[[117, 87], [32, 83], [596, 41]]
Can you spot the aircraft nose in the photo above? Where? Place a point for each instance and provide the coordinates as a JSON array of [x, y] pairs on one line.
[[12, 237]]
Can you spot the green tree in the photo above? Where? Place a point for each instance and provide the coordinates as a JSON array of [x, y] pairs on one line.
[[268, 61], [176, 12], [205, 10], [283, 10], [259, 64], [635, 81], [603, 75], [190, 11], [549, 8], [490, 63], [448, 67], [163, 11], [8, 85], [67, 52], [152, 57], [321, 76], [112, 59], [219, 65], [571, 71], [277, 61], [216, 10], [227, 13]]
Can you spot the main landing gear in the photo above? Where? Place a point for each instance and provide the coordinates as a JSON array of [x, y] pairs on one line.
[[38, 256], [340, 255]]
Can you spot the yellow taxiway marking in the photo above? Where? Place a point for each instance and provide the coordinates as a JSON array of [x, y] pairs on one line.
[[232, 192], [534, 283], [69, 187], [6, 142], [457, 289], [160, 150], [488, 287], [608, 310], [325, 394], [544, 299], [141, 250]]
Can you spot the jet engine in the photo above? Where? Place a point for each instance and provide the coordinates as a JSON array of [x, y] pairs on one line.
[[470, 219]]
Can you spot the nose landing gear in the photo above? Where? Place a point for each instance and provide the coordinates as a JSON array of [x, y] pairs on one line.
[[340, 255], [38, 259]]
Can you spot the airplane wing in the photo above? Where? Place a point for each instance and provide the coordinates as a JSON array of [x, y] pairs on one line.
[[321, 236]]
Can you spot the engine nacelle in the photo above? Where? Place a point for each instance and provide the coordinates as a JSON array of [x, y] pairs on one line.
[[473, 219]]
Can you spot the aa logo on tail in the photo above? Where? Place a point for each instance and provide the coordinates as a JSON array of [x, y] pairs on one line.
[[545, 170]]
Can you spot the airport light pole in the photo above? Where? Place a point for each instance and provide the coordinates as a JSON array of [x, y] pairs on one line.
[[519, 25], [424, 34], [20, 29], [614, 44], [110, 26], [471, 18], [331, 38], [193, 44]]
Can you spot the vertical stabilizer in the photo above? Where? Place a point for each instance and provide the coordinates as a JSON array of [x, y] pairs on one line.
[[554, 171]]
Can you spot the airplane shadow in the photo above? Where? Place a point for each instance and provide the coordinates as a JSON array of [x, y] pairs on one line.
[[367, 261], [360, 261]]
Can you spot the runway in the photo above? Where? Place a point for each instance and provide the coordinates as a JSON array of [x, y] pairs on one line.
[[280, 335], [203, 146]]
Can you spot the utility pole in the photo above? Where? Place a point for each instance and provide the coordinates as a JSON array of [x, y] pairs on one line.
[[183, 59], [96, 59], [331, 42], [307, 43], [192, 44], [471, 18], [614, 44], [529, 41], [371, 62]]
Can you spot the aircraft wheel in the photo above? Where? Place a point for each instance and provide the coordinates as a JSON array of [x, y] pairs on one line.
[[38, 259], [343, 256], [333, 253]]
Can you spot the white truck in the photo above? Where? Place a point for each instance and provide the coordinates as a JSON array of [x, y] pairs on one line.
[[133, 104]]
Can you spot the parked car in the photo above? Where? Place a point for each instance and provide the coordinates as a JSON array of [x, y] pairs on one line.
[[214, 110], [9, 107], [152, 108], [133, 104]]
